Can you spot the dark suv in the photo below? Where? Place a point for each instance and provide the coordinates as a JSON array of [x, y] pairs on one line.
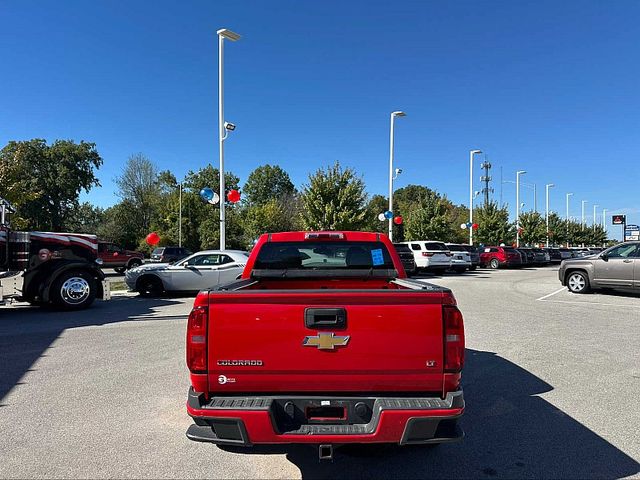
[[168, 254], [406, 257]]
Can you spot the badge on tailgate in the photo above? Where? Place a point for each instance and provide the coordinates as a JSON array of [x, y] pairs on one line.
[[326, 341]]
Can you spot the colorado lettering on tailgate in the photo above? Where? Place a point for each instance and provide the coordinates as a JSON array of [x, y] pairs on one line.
[[323, 340]]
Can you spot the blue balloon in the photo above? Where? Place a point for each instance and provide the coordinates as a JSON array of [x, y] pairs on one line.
[[206, 194], [388, 214], [469, 224]]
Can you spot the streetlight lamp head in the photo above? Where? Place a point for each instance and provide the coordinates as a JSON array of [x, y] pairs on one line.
[[550, 185], [229, 126], [521, 172], [228, 34], [398, 113], [474, 152]]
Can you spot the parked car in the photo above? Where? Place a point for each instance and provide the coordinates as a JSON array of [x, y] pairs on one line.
[[169, 254], [118, 258], [496, 257], [263, 352], [460, 258], [528, 256], [542, 258], [202, 270], [565, 253], [406, 257], [555, 256], [431, 256], [617, 267], [474, 253]]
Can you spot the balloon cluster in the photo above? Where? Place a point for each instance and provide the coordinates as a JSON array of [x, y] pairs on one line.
[[464, 226], [388, 215], [208, 195]]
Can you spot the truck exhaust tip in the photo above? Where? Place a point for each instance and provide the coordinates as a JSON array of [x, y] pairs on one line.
[[325, 453]]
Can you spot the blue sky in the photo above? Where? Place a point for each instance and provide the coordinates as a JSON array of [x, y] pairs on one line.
[[548, 87]]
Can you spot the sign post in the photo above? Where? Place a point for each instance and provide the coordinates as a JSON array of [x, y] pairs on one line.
[[620, 220]]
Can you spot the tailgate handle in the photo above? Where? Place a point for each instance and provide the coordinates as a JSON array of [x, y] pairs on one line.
[[325, 318]]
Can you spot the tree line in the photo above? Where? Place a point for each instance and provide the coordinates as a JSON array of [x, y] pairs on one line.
[[44, 182]]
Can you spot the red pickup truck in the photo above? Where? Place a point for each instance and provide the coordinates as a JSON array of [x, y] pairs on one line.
[[325, 341]]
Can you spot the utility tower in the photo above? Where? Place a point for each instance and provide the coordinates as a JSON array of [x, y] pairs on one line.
[[486, 178]]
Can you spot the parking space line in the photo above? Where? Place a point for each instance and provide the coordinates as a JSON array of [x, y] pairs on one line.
[[551, 294], [595, 303]]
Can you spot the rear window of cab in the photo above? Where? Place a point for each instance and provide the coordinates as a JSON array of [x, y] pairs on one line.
[[309, 255]]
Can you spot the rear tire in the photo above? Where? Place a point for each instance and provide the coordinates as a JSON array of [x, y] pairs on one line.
[[149, 286], [494, 264], [472, 268], [578, 282], [133, 263], [439, 271], [119, 269], [459, 270], [74, 290]]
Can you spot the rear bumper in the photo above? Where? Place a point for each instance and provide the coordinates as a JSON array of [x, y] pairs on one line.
[[245, 421]]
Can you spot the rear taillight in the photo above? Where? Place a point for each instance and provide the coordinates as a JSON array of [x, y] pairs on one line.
[[197, 335], [427, 254], [453, 339]]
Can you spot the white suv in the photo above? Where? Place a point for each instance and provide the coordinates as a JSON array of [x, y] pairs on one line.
[[431, 256]]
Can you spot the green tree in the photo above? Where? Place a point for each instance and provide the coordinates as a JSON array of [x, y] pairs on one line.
[[429, 221], [334, 199], [119, 225], [84, 218], [533, 228], [276, 215], [458, 215], [266, 183], [494, 227], [557, 229], [44, 181], [377, 204], [138, 185]]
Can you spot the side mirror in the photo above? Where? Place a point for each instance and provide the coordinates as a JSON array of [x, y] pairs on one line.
[[604, 256]]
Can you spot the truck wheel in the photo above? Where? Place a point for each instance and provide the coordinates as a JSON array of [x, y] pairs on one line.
[[578, 282], [134, 263], [74, 290], [150, 286], [494, 263]]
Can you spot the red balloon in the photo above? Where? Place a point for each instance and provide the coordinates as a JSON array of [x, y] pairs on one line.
[[233, 196], [474, 226], [153, 239], [398, 220]]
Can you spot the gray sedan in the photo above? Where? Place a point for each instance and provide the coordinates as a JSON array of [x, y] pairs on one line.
[[617, 267], [199, 271]]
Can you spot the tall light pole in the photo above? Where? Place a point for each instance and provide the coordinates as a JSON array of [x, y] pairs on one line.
[[391, 139], [546, 215], [583, 204], [594, 214], [223, 34], [180, 218], [471, 154], [604, 219], [567, 218], [518, 173]]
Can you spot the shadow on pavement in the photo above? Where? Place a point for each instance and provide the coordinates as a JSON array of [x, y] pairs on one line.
[[511, 432], [26, 333]]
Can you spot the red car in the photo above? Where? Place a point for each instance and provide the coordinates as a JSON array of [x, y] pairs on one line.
[[496, 257], [118, 258], [318, 343]]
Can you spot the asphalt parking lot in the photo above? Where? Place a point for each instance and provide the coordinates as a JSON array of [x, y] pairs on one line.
[[551, 384]]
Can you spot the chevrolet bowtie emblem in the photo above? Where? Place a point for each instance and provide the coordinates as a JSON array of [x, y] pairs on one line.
[[326, 341]]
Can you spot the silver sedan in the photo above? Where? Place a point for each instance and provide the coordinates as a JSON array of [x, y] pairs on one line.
[[199, 271]]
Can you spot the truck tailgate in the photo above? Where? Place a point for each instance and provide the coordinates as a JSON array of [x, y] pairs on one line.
[[389, 341]]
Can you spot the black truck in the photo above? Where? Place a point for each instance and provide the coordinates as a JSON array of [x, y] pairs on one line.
[[46, 268]]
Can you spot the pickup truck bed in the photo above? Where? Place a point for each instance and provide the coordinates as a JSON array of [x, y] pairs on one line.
[[287, 358]]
